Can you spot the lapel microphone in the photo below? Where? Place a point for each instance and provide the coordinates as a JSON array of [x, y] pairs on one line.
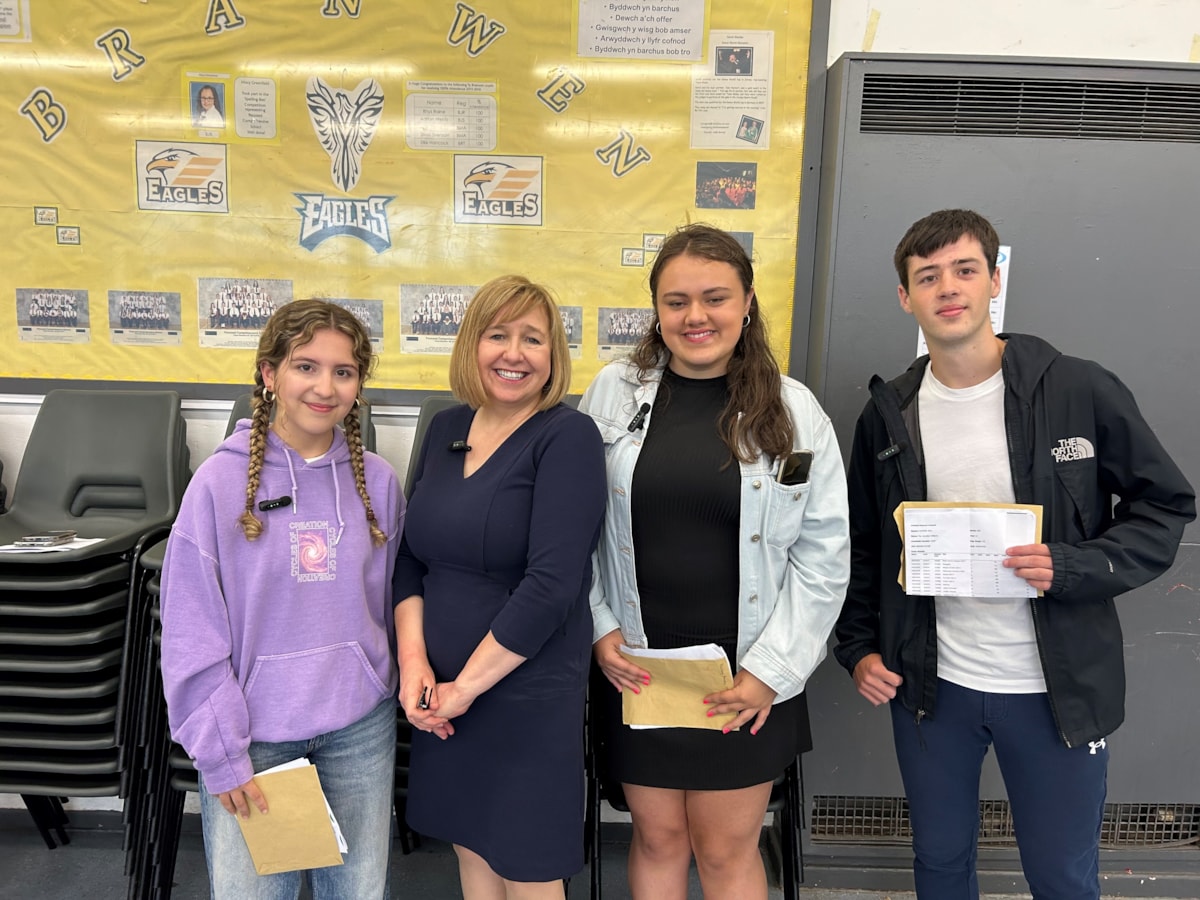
[[277, 503], [640, 418], [459, 447]]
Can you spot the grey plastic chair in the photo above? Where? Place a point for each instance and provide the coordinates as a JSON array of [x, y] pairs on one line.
[[108, 464], [430, 407]]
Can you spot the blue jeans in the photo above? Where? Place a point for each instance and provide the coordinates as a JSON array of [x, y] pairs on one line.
[[356, 766], [1056, 793]]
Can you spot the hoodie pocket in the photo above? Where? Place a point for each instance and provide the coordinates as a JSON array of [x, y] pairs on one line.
[[310, 691]]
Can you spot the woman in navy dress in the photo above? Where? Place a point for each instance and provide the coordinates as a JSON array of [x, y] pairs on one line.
[[491, 590]]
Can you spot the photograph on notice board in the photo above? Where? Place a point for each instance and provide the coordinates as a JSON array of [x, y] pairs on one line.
[[572, 319], [369, 312], [208, 105], [735, 61], [53, 315], [619, 328], [750, 129], [726, 185], [232, 311], [430, 316], [144, 317]]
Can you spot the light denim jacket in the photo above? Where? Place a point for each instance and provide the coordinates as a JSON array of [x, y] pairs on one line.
[[794, 554]]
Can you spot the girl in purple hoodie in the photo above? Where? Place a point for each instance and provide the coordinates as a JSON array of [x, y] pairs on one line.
[[276, 608]]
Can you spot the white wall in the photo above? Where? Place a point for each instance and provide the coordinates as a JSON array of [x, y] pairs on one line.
[[1159, 30]]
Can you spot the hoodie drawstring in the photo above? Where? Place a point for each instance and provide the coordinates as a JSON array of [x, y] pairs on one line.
[[292, 474], [337, 502], [337, 493]]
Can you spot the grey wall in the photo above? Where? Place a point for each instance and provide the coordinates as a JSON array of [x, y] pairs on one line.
[[1106, 265]]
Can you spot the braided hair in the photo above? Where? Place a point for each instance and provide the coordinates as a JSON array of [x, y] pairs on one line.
[[292, 326]]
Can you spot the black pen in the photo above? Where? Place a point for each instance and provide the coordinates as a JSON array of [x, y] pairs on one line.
[[423, 703]]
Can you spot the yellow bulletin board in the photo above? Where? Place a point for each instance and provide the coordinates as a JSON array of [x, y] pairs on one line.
[[175, 169]]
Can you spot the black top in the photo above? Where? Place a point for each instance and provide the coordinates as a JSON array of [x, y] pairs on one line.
[[685, 512]]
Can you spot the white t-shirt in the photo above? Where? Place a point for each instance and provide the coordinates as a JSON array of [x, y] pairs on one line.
[[984, 643]]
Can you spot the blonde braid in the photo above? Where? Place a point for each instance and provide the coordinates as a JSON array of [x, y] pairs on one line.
[[353, 428], [259, 422]]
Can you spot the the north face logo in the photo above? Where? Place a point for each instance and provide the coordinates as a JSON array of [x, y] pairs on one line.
[[1073, 448]]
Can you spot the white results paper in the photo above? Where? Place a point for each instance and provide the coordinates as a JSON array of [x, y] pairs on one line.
[[958, 551]]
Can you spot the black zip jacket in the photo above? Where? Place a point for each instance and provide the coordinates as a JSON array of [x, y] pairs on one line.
[[1076, 441]]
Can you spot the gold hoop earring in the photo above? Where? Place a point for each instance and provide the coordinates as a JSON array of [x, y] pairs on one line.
[[268, 396], [357, 402]]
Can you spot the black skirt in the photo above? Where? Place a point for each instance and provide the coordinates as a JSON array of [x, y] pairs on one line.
[[695, 759]]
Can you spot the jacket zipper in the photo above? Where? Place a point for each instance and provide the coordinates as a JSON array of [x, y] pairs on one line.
[[1033, 606]]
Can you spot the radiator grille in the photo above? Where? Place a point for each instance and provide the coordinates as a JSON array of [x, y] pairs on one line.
[[1030, 107], [884, 820]]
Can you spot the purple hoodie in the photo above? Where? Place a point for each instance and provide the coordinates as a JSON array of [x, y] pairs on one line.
[[288, 636]]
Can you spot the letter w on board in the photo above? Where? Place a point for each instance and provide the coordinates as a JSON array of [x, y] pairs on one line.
[[474, 28]]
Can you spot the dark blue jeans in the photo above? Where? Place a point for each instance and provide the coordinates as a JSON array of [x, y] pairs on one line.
[[1056, 793]]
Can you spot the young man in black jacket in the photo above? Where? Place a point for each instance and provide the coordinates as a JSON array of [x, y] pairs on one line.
[[1007, 419]]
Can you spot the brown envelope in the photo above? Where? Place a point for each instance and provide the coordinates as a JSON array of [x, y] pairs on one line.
[[296, 832], [673, 696]]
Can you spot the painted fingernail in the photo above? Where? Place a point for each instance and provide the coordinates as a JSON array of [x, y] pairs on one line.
[[725, 730], [646, 680], [711, 713]]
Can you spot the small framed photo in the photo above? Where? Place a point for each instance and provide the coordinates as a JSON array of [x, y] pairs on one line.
[[45, 215], [652, 243], [68, 234], [749, 129], [633, 256]]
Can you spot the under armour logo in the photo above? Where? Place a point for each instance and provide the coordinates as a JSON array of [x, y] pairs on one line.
[[1093, 746]]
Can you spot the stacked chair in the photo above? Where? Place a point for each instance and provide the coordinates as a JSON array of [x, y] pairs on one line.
[[154, 809], [111, 465]]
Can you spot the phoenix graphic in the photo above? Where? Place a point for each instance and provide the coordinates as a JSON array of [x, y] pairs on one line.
[[345, 123]]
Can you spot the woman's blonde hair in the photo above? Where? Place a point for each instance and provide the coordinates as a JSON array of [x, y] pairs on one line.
[[504, 299], [292, 326]]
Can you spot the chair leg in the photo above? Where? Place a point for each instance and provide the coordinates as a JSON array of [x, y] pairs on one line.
[[592, 835], [801, 809], [47, 813]]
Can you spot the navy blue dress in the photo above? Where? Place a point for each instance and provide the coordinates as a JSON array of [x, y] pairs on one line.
[[507, 550]]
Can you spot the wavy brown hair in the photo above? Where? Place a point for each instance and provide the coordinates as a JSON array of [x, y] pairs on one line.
[[290, 327], [755, 419]]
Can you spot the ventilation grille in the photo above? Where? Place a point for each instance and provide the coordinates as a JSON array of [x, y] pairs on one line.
[[884, 820], [1030, 107]]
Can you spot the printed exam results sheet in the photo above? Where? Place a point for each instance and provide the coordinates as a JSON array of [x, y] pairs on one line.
[[957, 549]]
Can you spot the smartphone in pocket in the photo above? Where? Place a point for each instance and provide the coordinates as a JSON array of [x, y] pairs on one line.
[[794, 468]]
